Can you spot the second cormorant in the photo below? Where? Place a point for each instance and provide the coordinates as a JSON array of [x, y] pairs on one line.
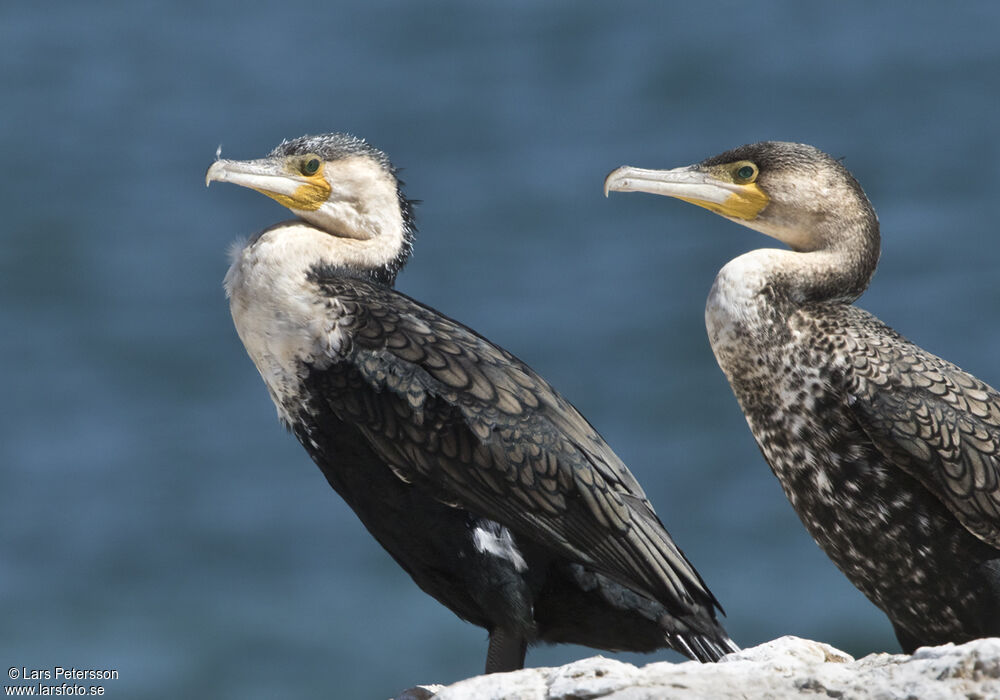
[[496, 496], [890, 455]]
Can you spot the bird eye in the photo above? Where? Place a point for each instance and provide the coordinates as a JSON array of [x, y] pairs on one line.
[[310, 166], [746, 172]]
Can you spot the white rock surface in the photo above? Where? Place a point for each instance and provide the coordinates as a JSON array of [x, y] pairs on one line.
[[788, 667]]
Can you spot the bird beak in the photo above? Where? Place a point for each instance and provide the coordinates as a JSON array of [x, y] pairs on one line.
[[694, 185], [273, 177]]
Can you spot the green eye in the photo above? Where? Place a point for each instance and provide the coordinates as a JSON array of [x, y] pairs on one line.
[[746, 173], [310, 166]]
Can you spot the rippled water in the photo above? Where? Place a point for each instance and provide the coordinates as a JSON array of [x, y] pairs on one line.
[[155, 519]]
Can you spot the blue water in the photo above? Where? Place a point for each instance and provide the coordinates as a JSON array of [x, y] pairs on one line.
[[156, 520]]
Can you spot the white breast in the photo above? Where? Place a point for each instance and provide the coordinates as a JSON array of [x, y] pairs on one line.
[[733, 303], [280, 316]]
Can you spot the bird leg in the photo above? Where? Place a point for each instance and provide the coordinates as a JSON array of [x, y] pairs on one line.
[[506, 651]]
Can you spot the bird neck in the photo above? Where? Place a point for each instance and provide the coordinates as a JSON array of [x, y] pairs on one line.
[[379, 256], [760, 288], [830, 263], [366, 226], [836, 276]]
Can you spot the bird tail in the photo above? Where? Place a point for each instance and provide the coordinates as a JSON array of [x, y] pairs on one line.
[[703, 647]]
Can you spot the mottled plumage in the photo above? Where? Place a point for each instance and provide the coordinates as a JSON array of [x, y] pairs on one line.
[[486, 486], [890, 455]]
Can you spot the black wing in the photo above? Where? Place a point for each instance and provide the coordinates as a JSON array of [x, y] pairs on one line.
[[442, 405], [937, 423]]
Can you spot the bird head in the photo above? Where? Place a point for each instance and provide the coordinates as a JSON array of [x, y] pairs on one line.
[[337, 183], [789, 191]]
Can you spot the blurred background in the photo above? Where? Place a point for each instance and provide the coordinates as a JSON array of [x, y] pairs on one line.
[[154, 517]]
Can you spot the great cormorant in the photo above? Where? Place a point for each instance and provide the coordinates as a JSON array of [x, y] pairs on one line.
[[890, 455], [496, 496]]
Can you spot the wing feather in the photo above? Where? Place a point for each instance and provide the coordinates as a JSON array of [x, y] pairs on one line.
[[934, 421], [441, 404]]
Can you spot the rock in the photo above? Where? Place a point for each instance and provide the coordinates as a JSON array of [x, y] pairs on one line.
[[788, 667], [420, 692]]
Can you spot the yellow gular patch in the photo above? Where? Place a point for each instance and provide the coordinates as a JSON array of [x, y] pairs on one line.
[[309, 196], [745, 203]]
